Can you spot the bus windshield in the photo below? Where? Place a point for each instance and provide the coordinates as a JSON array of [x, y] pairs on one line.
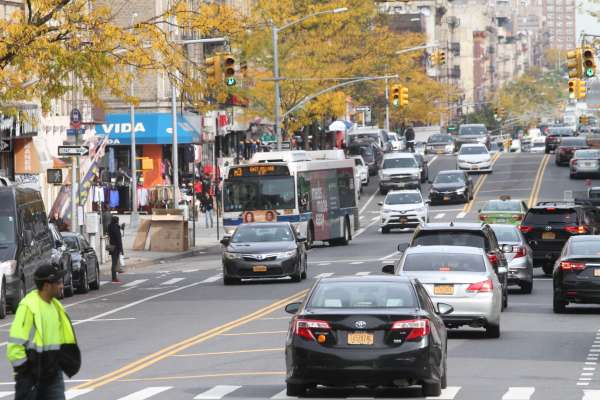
[[259, 193]]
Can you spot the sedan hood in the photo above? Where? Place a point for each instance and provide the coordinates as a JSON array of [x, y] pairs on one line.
[[402, 207], [433, 277], [401, 171], [260, 247], [469, 137], [447, 186], [474, 157]]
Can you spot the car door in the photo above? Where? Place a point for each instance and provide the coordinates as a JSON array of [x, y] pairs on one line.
[[89, 255], [495, 249], [438, 329]]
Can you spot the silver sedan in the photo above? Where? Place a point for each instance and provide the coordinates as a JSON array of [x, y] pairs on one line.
[[460, 276], [518, 255]]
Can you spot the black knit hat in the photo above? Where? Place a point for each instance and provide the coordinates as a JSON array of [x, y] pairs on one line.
[[48, 273]]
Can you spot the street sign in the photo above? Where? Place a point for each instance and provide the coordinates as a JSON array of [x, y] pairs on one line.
[[363, 108], [73, 151], [54, 176], [4, 145], [75, 118], [75, 132]]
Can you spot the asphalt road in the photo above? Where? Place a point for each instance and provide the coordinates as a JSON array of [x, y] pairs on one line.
[[173, 331]]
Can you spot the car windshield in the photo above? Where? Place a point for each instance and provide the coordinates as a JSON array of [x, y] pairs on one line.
[[71, 242], [585, 247], [450, 238], [472, 130], [502, 205], [440, 139], [444, 262], [506, 234], [587, 154], [266, 233], [403, 198], [400, 163], [573, 141], [362, 295], [364, 136], [560, 132], [550, 216], [469, 150], [449, 178], [539, 144], [594, 194], [259, 193]]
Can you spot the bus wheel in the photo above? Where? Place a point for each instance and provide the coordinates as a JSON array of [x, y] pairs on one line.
[[343, 241], [309, 237]]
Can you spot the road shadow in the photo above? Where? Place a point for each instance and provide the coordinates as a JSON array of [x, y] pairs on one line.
[[381, 393]]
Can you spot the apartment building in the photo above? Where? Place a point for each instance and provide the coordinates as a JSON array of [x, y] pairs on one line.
[[560, 18]]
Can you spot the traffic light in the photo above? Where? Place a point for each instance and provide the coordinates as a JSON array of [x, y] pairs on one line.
[[404, 96], [589, 62], [573, 88], [212, 67], [581, 89], [434, 58], [441, 58], [229, 70], [396, 94], [574, 65]]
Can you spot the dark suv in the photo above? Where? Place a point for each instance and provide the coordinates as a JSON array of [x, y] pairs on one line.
[[548, 225], [465, 234], [567, 147]]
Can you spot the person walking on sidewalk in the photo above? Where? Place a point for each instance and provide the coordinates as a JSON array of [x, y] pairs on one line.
[[207, 208], [115, 241], [42, 343]]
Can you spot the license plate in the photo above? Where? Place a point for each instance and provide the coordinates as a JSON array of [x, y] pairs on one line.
[[443, 290], [548, 235], [500, 220], [259, 268], [363, 338], [403, 220], [596, 271], [446, 198]]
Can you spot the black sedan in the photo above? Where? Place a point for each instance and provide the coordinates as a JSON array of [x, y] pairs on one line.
[[85, 267], [367, 331], [451, 186], [264, 250], [61, 256], [577, 273]]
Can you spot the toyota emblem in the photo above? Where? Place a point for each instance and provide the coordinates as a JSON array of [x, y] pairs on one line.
[[548, 228], [360, 324]]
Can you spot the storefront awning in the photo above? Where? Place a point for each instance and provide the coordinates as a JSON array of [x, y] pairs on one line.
[[150, 128]]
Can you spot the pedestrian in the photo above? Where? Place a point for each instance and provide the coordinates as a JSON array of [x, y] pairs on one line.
[[115, 247], [207, 209], [409, 135], [39, 356]]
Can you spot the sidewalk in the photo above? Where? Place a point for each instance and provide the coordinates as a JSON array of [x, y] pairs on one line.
[[205, 240]]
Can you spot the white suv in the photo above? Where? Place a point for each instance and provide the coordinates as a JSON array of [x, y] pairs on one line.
[[362, 169], [403, 209], [399, 171], [474, 158]]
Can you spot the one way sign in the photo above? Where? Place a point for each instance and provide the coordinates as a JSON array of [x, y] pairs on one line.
[[4, 145], [73, 150]]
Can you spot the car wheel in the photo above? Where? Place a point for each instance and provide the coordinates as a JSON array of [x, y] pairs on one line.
[[305, 269], [526, 287], [3, 301], [505, 300], [558, 304], [432, 389], [444, 380], [309, 237], [385, 230], [382, 191], [548, 268], [296, 389], [95, 285], [68, 286], [572, 176], [297, 276], [343, 241], [20, 295], [84, 285], [227, 281], [492, 330], [547, 151]]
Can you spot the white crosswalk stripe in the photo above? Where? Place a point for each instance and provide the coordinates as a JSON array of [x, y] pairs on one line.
[[146, 393], [172, 281], [440, 216], [518, 393], [364, 273], [282, 395], [324, 275], [218, 392], [5, 394], [74, 393], [135, 283], [591, 395], [357, 262], [213, 278], [448, 394]]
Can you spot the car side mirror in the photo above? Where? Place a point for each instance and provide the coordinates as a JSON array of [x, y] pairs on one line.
[[388, 269], [292, 308], [502, 270], [444, 309], [402, 247], [380, 203], [427, 201], [225, 241]]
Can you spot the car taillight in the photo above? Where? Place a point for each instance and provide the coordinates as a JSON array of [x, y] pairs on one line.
[[419, 328], [519, 251], [481, 287], [482, 217], [573, 162], [576, 229], [517, 217], [572, 266], [525, 228], [493, 258], [305, 327]]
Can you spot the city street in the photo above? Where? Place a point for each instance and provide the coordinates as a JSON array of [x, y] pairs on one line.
[[173, 331]]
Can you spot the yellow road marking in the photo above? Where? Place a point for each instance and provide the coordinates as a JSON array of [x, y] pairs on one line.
[[224, 375], [539, 178], [467, 208], [253, 333], [187, 343], [224, 353]]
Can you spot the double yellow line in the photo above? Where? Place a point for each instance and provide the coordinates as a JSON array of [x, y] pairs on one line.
[[467, 208], [168, 351], [537, 183]]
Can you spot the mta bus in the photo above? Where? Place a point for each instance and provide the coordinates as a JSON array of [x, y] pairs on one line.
[[313, 190]]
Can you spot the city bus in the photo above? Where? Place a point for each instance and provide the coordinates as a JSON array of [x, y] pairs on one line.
[[313, 190]]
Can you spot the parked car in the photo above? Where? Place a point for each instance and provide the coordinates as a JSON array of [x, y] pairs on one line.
[[61, 256], [85, 266], [399, 171], [460, 276], [548, 225], [374, 134], [362, 169], [370, 152], [472, 134], [474, 158], [26, 240], [518, 255], [452, 185], [538, 145], [567, 147], [576, 276], [403, 209], [503, 211], [585, 163], [465, 234], [423, 165], [554, 135], [367, 331], [264, 250], [440, 144]]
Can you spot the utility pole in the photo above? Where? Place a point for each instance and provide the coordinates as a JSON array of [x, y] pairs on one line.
[[277, 109], [387, 106], [134, 206]]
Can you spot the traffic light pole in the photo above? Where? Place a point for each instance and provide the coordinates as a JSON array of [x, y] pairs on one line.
[[387, 106]]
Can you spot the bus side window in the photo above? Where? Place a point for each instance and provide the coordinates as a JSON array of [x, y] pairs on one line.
[[303, 194]]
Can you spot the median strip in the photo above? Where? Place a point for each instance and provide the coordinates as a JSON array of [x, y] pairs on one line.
[[537, 183]]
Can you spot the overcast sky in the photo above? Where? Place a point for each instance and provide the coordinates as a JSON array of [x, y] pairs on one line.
[[584, 21]]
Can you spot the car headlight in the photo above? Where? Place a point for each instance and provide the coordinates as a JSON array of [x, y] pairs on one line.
[[285, 254], [8, 267], [384, 177], [460, 191], [232, 256], [386, 212]]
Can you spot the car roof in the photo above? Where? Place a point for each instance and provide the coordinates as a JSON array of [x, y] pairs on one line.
[[477, 125], [404, 191], [451, 172], [266, 224], [398, 155], [369, 278], [444, 249], [505, 226], [585, 238], [473, 145], [471, 226], [556, 204]]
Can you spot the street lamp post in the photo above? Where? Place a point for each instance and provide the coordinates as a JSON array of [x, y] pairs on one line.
[[134, 206], [275, 31]]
